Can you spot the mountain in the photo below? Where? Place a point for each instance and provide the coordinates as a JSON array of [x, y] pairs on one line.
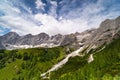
[[99, 49], [12, 40], [90, 55], [7, 39], [102, 64], [108, 30]]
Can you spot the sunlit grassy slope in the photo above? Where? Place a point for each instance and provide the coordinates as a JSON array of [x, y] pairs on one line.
[[28, 64]]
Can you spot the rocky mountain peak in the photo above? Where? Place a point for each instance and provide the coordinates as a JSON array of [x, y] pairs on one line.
[[11, 34], [107, 25], [42, 34], [28, 35], [108, 30], [10, 37]]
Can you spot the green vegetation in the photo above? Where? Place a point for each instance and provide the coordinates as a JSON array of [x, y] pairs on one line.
[[28, 64], [106, 66]]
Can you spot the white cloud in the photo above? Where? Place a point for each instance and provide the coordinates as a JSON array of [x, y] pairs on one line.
[[9, 9], [52, 26], [17, 21], [53, 8], [19, 25], [39, 4], [49, 25], [92, 13]]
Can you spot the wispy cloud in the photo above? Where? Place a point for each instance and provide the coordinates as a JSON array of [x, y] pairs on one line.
[[72, 17], [39, 4], [53, 9]]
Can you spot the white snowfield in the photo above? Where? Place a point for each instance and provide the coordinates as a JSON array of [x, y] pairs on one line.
[[61, 63], [90, 59], [12, 47]]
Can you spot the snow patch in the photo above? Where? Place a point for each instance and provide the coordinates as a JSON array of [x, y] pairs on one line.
[[11, 47], [91, 47], [90, 59], [61, 63]]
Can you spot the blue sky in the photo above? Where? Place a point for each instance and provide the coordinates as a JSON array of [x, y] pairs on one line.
[[55, 16]]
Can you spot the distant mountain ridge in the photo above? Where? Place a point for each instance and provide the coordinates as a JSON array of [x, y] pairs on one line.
[[108, 30], [12, 40]]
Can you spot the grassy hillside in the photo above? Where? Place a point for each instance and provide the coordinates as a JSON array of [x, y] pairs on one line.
[[28, 64], [106, 66]]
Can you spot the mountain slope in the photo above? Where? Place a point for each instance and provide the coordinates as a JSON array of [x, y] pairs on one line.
[[105, 66], [97, 40], [28, 64]]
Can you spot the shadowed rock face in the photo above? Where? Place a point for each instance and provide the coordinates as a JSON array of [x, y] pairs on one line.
[[108, 30], [10, 38], [68, 40], [24, 40]]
